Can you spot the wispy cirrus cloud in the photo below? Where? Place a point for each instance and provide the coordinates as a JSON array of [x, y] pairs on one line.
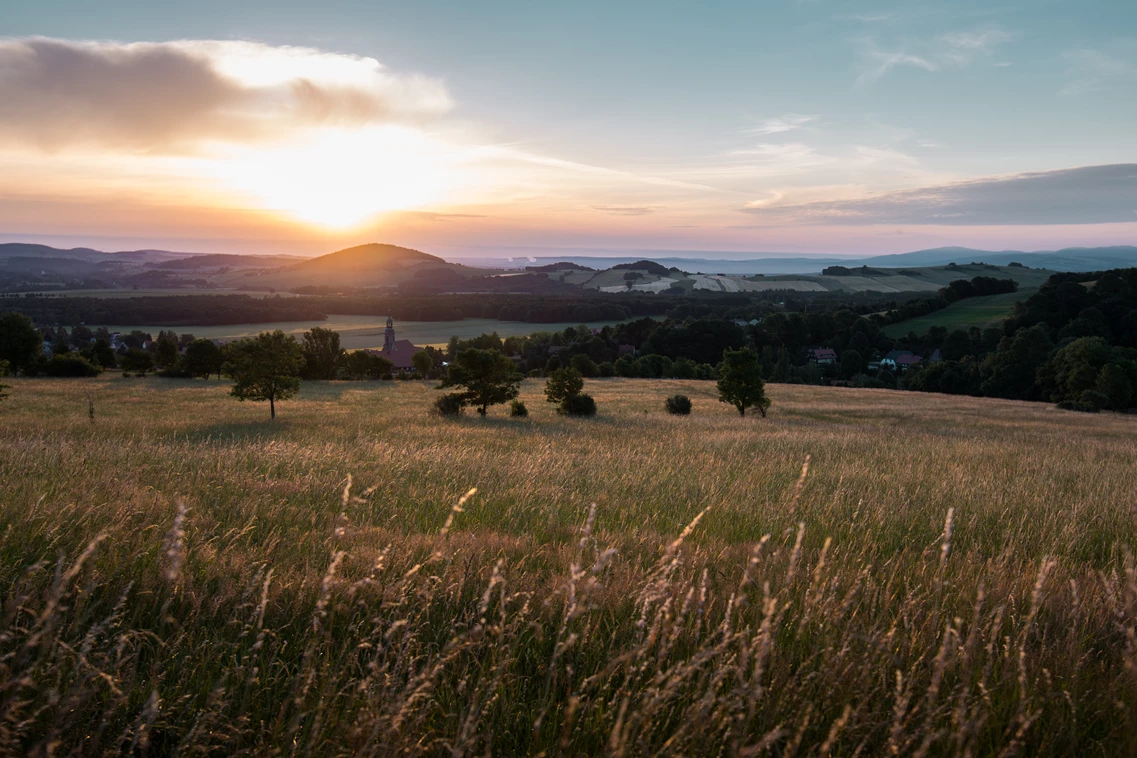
[[1089, 70], [780, 124], [172, 96], [944, 51], [1084, 195], [627, 210]]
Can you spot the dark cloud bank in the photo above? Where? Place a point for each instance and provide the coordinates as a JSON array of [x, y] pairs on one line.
[[1086, 195]]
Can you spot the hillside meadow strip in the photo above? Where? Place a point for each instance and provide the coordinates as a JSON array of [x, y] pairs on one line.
[[864, 572]]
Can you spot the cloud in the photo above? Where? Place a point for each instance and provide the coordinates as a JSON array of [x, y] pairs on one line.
[[441, 217], [949, 50], [781, 124], [1091, 70], [174, 96], [627, 210], [1084, 195], [769, 159]]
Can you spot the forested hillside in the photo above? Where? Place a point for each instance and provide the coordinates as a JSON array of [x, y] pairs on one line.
[[1073, 342]]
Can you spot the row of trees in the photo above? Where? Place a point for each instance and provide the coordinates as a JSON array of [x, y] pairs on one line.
[[488, 377], [269, 367]]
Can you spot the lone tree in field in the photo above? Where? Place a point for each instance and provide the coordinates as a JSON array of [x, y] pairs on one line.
[[265, 367], [565, 386], [740, 381], [204, 357], [488, 376], [563, 383]]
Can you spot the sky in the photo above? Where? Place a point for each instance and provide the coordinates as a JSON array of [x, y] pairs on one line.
[[523, 128]]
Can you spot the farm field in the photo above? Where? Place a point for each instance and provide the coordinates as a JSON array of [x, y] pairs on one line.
[[357, 332], [986, 310], [184, 575]]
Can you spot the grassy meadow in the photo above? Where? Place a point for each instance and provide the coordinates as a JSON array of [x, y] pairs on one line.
[[864, 572], [982, 311]]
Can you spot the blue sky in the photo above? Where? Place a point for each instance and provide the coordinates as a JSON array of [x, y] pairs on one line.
[[800, 125]]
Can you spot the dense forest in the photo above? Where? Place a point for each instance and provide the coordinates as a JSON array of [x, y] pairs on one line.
[[217, 310]]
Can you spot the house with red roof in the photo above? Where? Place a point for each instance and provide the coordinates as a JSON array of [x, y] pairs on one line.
[[822, 356], [900, 360]]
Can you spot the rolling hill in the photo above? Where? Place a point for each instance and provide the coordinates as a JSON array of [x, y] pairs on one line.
[[388, 267], [366, 258], [1066, 259]]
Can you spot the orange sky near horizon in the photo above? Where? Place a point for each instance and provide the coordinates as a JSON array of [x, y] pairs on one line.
[[245, 147]]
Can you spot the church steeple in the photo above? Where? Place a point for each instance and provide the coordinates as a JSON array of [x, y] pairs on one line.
[[389, 336]]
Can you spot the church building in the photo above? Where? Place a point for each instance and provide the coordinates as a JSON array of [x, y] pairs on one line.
[[399, 352]]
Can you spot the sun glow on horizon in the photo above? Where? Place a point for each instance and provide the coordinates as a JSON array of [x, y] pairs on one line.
[[342, 178]]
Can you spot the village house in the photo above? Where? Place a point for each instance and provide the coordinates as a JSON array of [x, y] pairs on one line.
[[899, 360], [823, 356]]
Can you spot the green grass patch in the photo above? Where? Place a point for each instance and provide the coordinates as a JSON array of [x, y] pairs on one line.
[[983, 311]]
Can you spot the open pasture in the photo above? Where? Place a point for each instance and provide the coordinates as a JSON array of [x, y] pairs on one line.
[[982, 311], [949, 574]]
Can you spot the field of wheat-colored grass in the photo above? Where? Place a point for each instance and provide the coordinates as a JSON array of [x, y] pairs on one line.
[[863, 572]]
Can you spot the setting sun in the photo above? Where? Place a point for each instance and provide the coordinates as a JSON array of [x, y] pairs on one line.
[[339, 178]]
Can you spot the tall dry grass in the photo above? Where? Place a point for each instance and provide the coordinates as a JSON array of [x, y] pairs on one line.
[[947, 576]]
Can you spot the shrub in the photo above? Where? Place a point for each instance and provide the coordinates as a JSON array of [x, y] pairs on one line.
[[517, 408], [450, 404], [1094, 399], [69, 365], [175, 370], [679, 405], [578, 405]]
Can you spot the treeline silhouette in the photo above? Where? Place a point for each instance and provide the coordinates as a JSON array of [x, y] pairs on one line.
[[219, 309]]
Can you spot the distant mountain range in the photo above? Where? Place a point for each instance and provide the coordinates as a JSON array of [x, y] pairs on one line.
[[1067, 259], [374, 265]]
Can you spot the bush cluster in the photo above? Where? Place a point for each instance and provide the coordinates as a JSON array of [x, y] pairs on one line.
[[450, 404], [565, 387]]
